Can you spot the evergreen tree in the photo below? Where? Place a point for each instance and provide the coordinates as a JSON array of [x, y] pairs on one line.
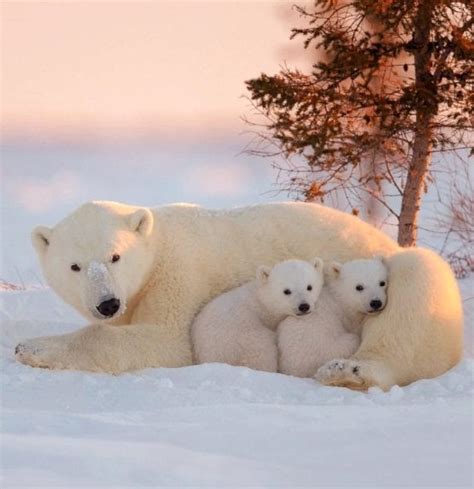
[[394, 82]]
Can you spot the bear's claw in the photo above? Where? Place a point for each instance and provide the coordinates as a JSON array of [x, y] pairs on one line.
[[22, 349]]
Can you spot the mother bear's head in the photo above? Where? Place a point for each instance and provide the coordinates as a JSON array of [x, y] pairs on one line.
[[98, 257]]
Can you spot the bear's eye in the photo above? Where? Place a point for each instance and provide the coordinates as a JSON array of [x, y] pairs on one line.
[[287, 292], [75, 267], [382, 284], [359, 287], [310, 287], [115, 258]]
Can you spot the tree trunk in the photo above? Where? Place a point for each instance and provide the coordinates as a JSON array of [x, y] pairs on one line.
[[425, 111], [412, 193]]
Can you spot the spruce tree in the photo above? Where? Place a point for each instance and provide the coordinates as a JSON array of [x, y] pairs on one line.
[[394, 83]]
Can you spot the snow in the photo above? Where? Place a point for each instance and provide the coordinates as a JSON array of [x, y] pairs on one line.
[[208, 425], [98, 275], [216, 425]]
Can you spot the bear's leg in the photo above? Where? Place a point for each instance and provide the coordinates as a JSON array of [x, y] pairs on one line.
[[105, 348], [356, 374], [344, 346], [419, 333]]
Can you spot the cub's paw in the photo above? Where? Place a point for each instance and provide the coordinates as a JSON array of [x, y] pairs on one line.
[[38, 353], [342, 373]]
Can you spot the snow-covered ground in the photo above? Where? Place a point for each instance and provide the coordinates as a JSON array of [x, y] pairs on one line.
[[216, 425], [209, 425]]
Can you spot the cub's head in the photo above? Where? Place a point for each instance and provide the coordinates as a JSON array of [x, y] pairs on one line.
[[292, 287], [360, 284], [97, 258]]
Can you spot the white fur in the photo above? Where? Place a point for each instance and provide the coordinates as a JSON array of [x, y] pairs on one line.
[[175, 259], [305, 344], [344, 281], [238, 327], [89, 239]]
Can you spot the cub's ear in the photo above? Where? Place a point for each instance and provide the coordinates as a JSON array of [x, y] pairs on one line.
[[263, 273], [382, 259], [141, 221], [333, 269], [40, 237], [318, 263]]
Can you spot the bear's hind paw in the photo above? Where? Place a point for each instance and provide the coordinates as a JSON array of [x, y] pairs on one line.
[[342, 373]]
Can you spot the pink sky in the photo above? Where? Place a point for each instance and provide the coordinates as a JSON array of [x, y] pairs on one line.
[[102, 68]]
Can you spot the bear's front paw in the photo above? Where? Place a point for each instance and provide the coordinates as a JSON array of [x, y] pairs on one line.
[[342, 373], [38, 353]]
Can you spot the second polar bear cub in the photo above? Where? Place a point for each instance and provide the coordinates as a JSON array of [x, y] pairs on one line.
[[238, 327], [351, 292]]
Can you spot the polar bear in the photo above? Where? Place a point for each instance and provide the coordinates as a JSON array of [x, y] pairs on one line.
[[351, 292], [163, 265], [238, 327]]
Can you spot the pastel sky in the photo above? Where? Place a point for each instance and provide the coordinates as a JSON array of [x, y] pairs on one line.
[[137, 68], [132, 101]]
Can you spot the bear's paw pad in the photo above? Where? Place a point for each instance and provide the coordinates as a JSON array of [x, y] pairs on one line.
[[31, 354], [342, 373], [23, 348]]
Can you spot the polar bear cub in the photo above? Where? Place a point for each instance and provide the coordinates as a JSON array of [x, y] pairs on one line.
[[238, 327], [351, 292]]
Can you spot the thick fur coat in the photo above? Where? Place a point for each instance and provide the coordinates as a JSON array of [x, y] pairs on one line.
[[238, 327], [175, 259], [351, 292]]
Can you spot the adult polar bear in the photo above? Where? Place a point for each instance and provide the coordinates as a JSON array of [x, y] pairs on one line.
[[154, 270]]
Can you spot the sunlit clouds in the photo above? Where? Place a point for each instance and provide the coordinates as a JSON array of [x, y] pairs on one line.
[[100, 69]]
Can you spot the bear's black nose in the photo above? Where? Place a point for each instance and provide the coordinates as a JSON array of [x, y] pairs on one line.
[[109, 308], [375, 304], [303, 307]]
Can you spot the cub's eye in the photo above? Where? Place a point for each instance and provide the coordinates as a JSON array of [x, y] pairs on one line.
[[115, 258], [310, 287], [75, 267], [287, 292], [359, 287], [382, 284]]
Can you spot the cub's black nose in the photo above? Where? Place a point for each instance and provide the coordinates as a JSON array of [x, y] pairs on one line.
[[303, 307], [376, 304], [109, 308]]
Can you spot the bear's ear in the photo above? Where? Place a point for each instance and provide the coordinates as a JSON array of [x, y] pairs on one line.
[[263, 273], [318, 263], [333, 270], [40, 238], [141, 221], [382, 259]]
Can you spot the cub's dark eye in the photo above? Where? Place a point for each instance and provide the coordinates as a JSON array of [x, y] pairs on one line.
[[359, 288], [382, 284], [310, 287], [75, 267], [115, 258], [287, 292]]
